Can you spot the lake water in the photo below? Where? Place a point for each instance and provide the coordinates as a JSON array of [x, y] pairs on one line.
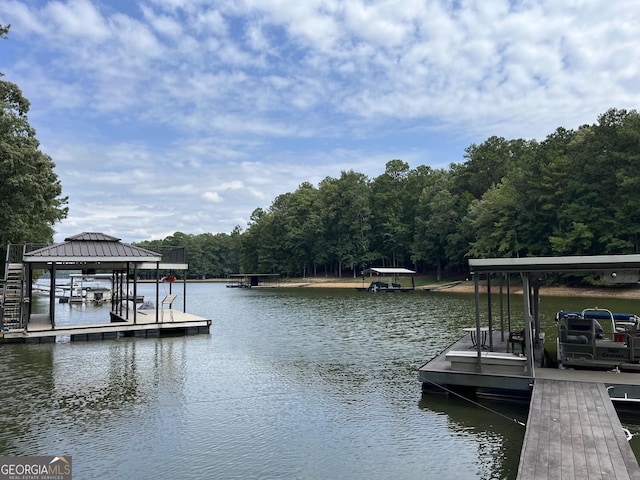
[[290, 384]]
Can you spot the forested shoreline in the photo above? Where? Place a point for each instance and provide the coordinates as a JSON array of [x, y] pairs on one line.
[[574, 193]]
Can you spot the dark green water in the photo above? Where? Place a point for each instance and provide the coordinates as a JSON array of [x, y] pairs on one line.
[[291, 383]]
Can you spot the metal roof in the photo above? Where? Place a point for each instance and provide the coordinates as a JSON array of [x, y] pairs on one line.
[[388, 271], [587, 263], [91, 247]]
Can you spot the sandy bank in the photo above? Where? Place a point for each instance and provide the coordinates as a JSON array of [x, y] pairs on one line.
[[632, 293]]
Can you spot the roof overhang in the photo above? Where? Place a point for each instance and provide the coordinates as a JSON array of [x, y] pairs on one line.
[[162, 266], [388, 271], [587, 263], [84, 260], [90, 250]]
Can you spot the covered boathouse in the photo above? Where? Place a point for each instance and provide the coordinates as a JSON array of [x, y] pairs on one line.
[[496, 356], [393, 283], [94, 253], [572, 430]]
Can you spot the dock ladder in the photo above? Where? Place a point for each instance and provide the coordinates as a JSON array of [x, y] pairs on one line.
[[13, 294]]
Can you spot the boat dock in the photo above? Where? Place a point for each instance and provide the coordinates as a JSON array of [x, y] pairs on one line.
[[174, 322], [572, 427], [394, 282], [573, 432], [253, 280], [90, 253]]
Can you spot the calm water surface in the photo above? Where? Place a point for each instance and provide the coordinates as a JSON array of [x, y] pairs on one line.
[[290, 384]]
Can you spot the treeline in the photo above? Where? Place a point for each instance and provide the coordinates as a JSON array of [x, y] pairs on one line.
[[576, 192]]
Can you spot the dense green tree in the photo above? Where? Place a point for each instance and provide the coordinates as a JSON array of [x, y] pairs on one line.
[[572, 193], [392, 226], [346, 214], [303, 229], [485, 166], [588, 173], [495, 220], [255, 255], [30, 191], [208, 255], [436, 220], [505, 221]]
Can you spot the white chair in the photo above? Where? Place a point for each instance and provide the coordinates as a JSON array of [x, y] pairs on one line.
[[168, 300]]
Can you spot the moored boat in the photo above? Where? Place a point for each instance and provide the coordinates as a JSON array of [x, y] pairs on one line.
[[597, 338]]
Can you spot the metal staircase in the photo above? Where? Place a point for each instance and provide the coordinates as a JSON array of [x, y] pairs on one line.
[[13, 296]]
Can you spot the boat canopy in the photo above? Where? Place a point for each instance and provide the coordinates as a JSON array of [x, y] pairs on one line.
[[612, 263], [388, 271]]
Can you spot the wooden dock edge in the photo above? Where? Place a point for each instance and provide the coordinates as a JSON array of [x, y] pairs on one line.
[[573, 432], [109, 331]]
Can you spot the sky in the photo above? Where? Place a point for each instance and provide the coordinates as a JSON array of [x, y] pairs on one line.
[[166, 116]]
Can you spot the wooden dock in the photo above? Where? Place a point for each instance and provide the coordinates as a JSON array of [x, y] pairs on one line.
[[439, 370], [170, 322], [573, 432]]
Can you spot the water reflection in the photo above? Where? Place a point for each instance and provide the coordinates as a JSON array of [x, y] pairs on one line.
[[291, 383], [495, 426]]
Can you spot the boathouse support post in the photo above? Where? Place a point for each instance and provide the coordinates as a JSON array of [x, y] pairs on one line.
[[526, 298], [476, 285], [536, 306], [135, 293], [184, 291], [119, 305], [509, 301], [127, 297], [489, 312], [52, 294], [29, 303], [158, 306], [501, 277]]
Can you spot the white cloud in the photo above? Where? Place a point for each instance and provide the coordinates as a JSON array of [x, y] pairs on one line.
[[212, 197], [76, 19], [223, 106]]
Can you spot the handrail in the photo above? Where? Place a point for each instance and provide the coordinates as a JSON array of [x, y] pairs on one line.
[[603, 310]]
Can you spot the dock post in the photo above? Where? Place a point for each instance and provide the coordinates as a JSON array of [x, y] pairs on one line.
[[476, 284], [526, 300]]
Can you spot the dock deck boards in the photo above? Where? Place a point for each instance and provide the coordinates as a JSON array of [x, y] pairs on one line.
[[574, 432], [169, 320]]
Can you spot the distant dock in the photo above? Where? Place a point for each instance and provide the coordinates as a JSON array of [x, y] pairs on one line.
[[253, 280]]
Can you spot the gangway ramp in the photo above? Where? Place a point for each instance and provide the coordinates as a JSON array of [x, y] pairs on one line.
[[573, 432]]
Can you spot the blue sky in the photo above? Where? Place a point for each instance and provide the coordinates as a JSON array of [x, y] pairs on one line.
[[186, 115]]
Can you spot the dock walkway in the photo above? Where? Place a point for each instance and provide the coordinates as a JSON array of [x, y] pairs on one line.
[[169, 321], [573, 432]]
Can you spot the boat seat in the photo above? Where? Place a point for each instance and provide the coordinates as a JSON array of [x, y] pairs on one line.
[[516, 337], [492, 362]]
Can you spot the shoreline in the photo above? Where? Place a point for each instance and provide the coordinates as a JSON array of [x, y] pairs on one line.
[[630, 293]]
